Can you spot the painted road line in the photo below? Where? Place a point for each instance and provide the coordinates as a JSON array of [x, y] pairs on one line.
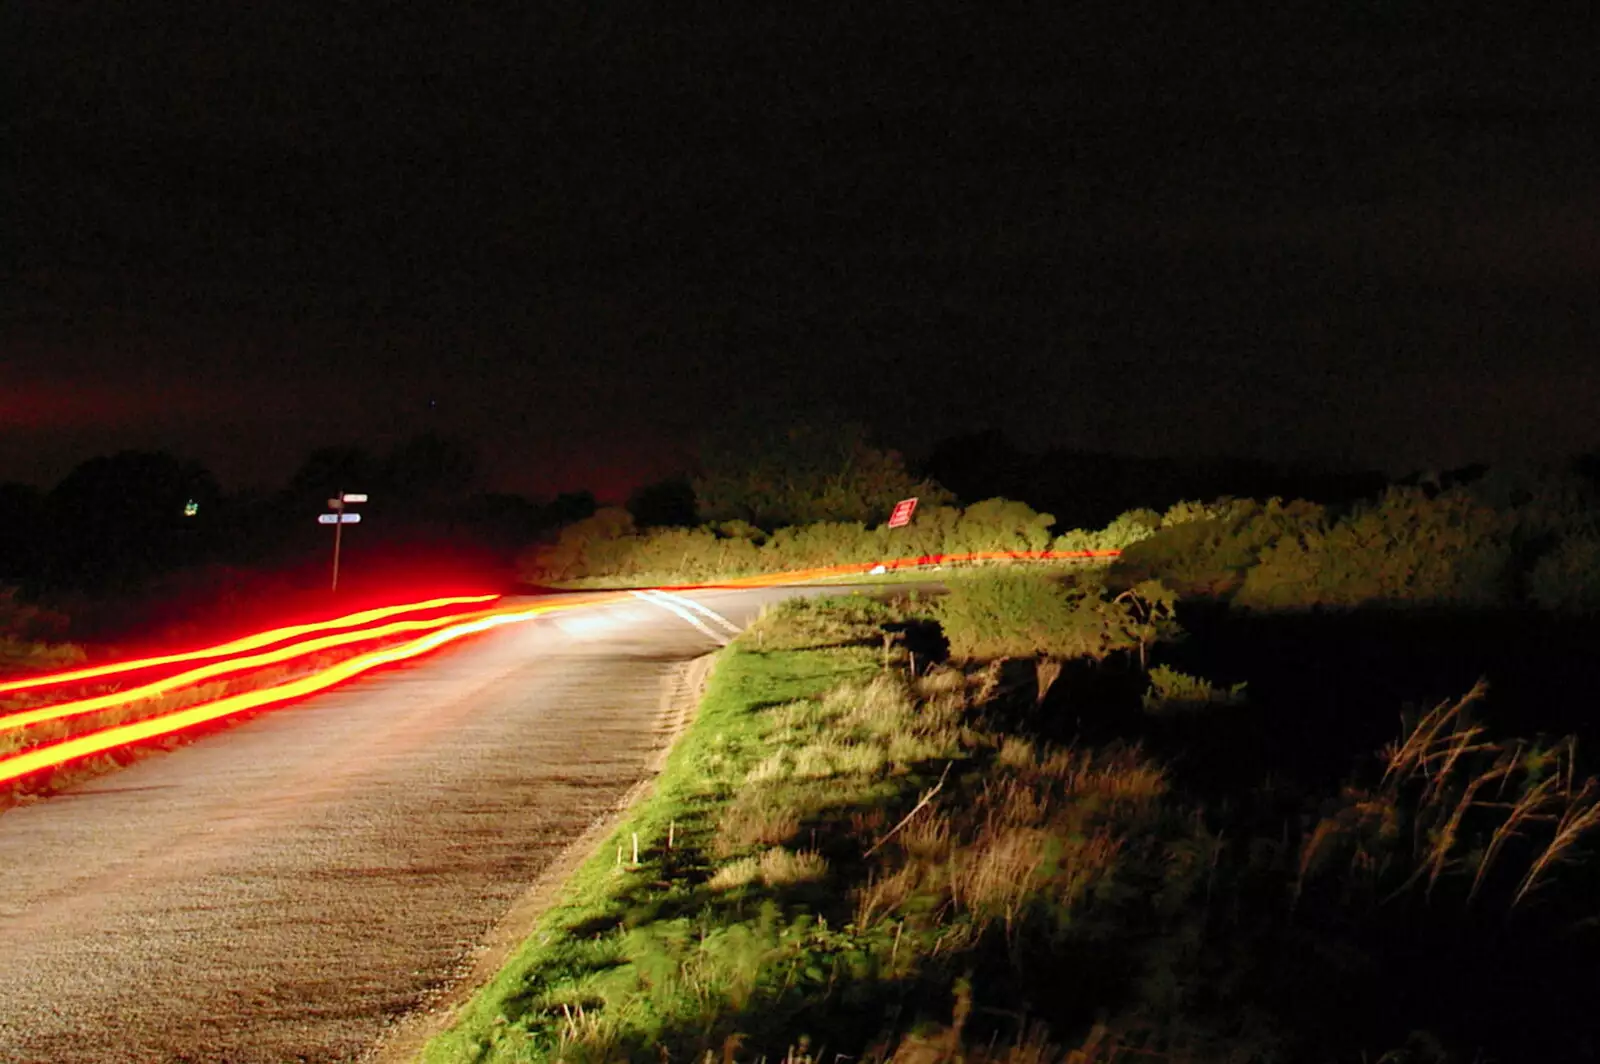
[[672, 607], [700, 608]]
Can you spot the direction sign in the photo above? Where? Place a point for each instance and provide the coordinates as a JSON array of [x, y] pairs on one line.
[[338, 519], [351, 496], [902, 512]]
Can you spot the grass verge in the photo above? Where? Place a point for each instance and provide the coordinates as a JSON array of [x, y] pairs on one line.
[[843, 861], [831, 852]]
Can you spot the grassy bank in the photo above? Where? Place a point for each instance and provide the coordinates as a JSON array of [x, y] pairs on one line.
[[843, 861], [833, 856]]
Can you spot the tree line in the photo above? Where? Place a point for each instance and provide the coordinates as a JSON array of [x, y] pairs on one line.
[[151, 525]]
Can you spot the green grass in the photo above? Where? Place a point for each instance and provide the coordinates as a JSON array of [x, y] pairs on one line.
[[845, 841], [871, 866], [637, 937]]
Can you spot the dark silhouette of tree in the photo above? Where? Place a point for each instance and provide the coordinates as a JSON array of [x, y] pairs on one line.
[[982, 465], [428, 468], [332, 469], [569, 507], [118, 520], [22, 533], [772, 476], [665, 504]]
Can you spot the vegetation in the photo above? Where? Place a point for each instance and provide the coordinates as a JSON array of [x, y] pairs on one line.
[[846, 859], [1025, 613], [1175, 691], [609, 548], [28, 638], [1496, 541], [803, 473]]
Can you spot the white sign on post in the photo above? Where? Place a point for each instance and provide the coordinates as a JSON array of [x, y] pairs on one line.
[[351, 496], [338, 519]]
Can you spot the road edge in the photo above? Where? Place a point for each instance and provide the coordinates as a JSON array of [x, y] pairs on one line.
[[403, 1040]]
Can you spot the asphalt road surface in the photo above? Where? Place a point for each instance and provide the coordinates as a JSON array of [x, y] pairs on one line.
[[289, 889]]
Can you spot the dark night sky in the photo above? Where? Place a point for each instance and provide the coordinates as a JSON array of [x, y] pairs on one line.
[[1363, 230]]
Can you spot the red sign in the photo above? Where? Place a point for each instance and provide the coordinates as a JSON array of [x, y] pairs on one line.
[[902, 513]]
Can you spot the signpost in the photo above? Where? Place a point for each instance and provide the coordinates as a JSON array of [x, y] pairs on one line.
[[902, 512], [338, 519]]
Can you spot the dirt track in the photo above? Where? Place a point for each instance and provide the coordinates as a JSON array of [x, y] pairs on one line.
[[289, 889]]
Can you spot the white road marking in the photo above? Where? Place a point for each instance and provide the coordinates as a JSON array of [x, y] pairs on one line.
[[668, 604], [700, 608]]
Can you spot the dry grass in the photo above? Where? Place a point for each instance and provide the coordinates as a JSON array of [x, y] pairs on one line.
[[777, 867], [758, 816], [1452, 802], [941, 680], [886, 893], [829, 758], [1026, 836], [997, 875]]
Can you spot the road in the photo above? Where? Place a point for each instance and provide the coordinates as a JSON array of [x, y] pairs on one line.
[[288, 889]]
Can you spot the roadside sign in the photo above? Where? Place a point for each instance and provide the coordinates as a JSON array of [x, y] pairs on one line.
[[338, 519], [902, 512], [351, 496], [337, 504]]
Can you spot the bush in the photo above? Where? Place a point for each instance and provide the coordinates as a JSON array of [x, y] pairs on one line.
[[594, 544], [1125, 530], [608, 545], [1206, 551], [1021, 613], [1408, 547], [1172, 691], [1568, 578], [27, 635]]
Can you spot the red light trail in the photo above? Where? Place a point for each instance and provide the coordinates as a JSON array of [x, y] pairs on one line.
[[59, 753], [55, 754], [238, 646], [62, 710]]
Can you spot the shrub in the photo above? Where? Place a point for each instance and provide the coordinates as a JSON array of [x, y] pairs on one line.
[[1172, 691], [26, 637], [1000, 525], [597, 544], [1208, 550], [1568, 578], [1405, 548], [21, 656], [1021, 613]]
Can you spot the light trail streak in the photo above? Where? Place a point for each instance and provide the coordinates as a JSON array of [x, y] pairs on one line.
[[241, 645], [107, 739], [63, 710], [44, 757]]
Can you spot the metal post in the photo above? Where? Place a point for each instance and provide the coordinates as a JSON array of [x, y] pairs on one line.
[[338, 533]]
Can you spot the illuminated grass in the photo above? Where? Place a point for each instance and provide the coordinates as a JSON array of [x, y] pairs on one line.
[[834, 831], [533, 1007]]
